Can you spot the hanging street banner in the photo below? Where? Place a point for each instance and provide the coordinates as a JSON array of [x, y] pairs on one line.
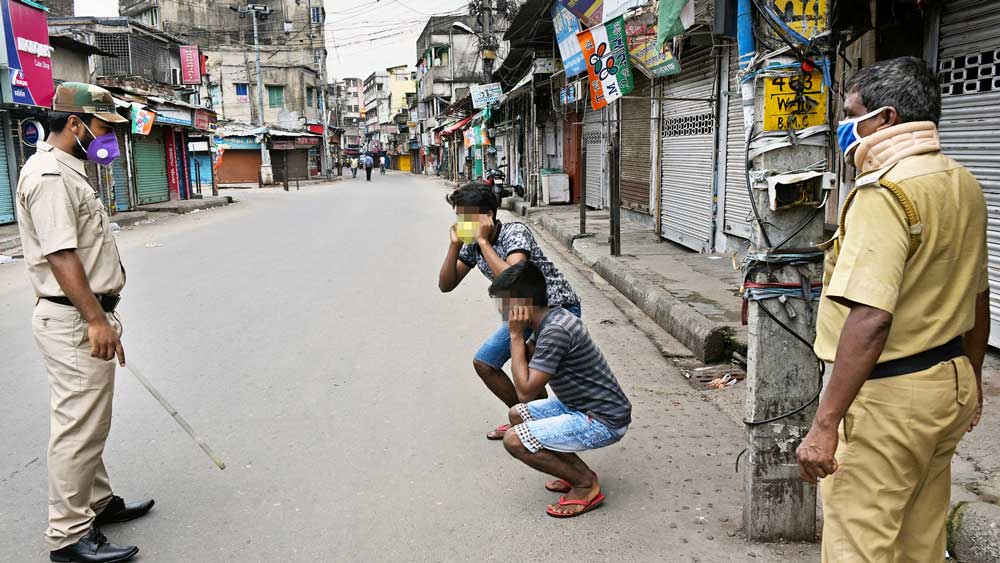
[[590, 12], [142, 120], [675, 16], [567, 26], [485, 94], [605, 49], [641, 35]]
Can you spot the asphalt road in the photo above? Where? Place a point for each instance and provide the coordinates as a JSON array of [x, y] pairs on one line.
[[303, 334]]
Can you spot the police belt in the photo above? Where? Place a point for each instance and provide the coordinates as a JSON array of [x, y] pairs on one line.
[[108, 302], [919, 362]]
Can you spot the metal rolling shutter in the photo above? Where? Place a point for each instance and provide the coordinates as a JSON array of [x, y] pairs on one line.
[[6, 190], [635, 147], [688, 148], [151, 168], [969, 66], [737, 214], [593, 141]]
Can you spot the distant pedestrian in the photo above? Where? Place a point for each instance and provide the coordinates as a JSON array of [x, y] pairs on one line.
[[383, 162], [905, 319], [589, 410], [77, 274], [369, 164], [354, 167]]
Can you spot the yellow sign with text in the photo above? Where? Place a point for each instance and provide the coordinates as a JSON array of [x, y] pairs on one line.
[[794, 102], [808, 17]]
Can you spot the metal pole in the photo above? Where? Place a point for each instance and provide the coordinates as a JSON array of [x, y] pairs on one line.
[[614, 177], [266, 173]]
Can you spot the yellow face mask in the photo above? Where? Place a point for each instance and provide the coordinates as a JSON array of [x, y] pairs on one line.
[[467, 230]]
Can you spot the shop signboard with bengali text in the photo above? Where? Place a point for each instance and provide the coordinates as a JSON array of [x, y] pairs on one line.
[[26, 54]]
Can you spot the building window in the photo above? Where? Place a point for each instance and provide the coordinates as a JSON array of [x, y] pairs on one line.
[[215, 95], [275, 96], [242, 92], [150, 17], [317, 15], [309, 96], [318, 55]]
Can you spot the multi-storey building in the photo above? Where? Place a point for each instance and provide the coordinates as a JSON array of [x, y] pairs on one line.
[[448, 60], [346, 112], [377, 112]]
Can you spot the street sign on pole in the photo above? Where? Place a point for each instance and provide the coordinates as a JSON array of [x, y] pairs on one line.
[[485, 94]]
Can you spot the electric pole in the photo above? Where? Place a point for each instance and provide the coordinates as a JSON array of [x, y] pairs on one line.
[[488, 43], [784, 266], [259, 11]]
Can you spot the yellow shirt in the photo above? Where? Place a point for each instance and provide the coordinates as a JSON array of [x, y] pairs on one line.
[[58, 210], [932, 294]]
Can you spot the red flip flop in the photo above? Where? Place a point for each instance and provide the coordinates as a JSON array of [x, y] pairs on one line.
[[561, 486], [587, 506], [501, 430]]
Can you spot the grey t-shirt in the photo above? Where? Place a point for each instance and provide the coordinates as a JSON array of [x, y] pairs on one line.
[[580, 376], [516, 237]]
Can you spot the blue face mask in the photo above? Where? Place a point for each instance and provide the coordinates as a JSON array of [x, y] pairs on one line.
[[847, 132]]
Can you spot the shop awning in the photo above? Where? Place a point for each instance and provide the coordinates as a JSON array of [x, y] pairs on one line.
[[456, 126]]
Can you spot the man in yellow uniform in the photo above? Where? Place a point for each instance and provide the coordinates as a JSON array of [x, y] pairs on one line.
[[77, 275], [904, 317]]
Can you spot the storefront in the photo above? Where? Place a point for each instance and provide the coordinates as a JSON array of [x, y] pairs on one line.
[[238, 159], [150, 165], [290, 154]]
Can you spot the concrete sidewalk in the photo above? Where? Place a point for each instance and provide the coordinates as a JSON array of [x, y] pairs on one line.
[[695, 297], [182, 206]]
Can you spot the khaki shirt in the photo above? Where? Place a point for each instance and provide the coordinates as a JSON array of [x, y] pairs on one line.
[[58, 210], [931, 295]]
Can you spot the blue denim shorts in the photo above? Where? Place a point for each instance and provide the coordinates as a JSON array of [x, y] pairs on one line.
[[495, 352], [550, 424]]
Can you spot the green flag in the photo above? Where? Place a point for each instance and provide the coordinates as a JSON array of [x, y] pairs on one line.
[[669, 23]]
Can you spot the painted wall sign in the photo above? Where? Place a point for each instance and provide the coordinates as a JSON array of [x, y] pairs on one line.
[[605, 49], [237, 143], [27, 55], [485, 94], [794, 102], [190, 64], [307, 141], [567, 26]]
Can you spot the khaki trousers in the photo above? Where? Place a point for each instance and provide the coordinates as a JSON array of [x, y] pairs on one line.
[[888, 501], [81, 389]]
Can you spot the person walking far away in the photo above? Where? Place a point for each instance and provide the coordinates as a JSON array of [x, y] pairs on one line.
[[904, 317], [481, 240], [354, 167], [77, 274], [383, 161], [368, 164], [589, 409]]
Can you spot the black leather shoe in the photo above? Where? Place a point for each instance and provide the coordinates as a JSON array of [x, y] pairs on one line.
[[117, 511], [94, 548]]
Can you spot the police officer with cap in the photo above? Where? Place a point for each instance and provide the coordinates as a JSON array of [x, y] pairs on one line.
[[77, 275]]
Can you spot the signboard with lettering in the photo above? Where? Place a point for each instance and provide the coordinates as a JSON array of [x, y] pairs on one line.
[[203, 120], [237, 143], [643, 52], [173, 116], [590, 12], [27, 55], [485, 94], [190, 65], [794, 102], [567, 26], [31, 132]]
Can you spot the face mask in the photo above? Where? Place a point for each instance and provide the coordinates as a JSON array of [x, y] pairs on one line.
[[103, 149], [847, 132], [467, 231]]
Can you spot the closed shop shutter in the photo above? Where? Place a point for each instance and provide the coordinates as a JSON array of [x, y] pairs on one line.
[[635, 127], [593, 143], [688, 145], [120, 173], [151, 168], [297, 161], [737, 219], [969, 67], [6, 189], [241, 166]]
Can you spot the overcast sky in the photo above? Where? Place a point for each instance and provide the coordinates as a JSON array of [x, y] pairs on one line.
[[362, 35]]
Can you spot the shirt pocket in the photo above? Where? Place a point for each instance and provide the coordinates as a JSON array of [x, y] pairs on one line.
[[96, 229]]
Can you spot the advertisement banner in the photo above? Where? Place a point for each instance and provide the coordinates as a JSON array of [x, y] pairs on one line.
[[142, 120], [590, 12], [605, 49], [485, 94], [567, 26], [190, 65], [203, 120], [27, 54], [643, 51]]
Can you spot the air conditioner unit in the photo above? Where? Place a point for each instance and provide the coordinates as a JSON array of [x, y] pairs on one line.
[[175, 75]]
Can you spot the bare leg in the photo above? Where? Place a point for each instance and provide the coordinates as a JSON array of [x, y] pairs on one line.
[[566, 466], [497, 382]]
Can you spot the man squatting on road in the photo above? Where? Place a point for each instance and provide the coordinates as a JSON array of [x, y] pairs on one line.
[[589, 409], [480, 240]]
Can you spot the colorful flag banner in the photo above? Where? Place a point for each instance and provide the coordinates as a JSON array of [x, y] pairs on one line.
[[675, 16], [590, 12], [142, 120], [567, 26], [643, 52], [605, 49]]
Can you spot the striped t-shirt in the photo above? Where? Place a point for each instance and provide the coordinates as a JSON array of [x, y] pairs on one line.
[[580, 376]]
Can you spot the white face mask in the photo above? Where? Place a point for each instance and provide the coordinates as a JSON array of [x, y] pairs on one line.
[[847, 132]]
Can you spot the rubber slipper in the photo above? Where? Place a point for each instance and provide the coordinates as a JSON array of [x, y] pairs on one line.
[[501, 430], [587, 506], [558, 486]]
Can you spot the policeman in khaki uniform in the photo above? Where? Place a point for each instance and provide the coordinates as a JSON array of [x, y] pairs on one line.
[[76, 272], [904, 317]]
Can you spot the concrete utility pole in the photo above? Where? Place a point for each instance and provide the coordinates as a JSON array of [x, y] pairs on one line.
[[259, 11], [486, 14], [782, 371]]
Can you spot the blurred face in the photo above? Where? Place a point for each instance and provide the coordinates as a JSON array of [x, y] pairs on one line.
[[504, 304], [467, 224]]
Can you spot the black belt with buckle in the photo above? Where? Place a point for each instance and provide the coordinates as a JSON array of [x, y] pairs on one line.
[[919, 362], [108, 302]]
